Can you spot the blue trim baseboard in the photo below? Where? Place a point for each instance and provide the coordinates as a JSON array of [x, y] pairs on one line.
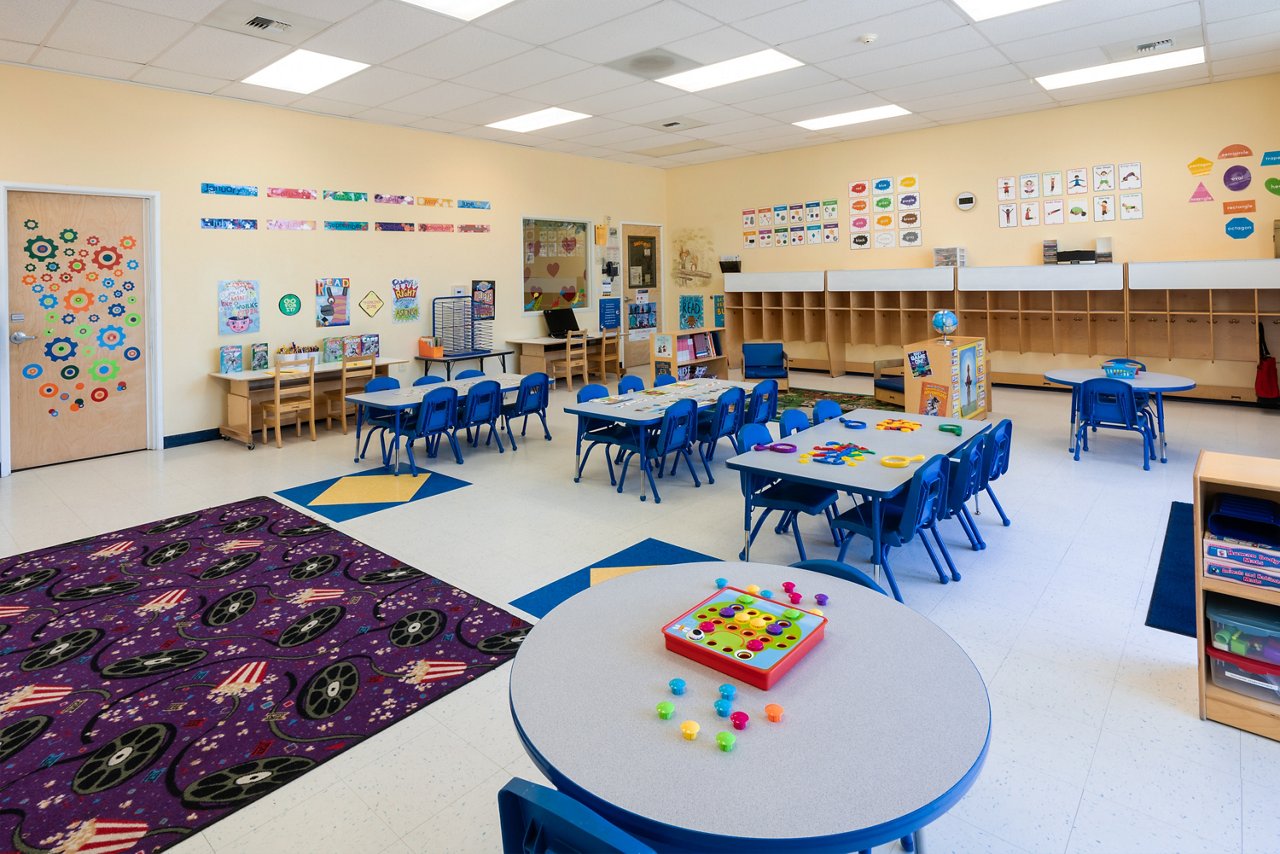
[[191, 438]]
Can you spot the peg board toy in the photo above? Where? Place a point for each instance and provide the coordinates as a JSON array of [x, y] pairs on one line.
[[752, 639]]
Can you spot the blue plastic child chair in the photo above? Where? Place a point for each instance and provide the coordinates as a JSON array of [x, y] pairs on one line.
[[792, 421], [531, 399], [825, 410], [718, 423], [630, 383], [675, 435], [469, 373], [428, 379], [997, 443], [663, 379], [538, 820], [483, 407], [964, 480], [787, 497], [381, 420], [1109, 404], [435, 419], [762, 406], [597, 431]]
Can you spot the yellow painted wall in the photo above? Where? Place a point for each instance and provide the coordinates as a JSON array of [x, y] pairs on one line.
[[75, 131]]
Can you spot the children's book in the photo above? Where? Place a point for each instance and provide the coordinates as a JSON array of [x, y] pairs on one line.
[[684, 349], [333, 349], [934, 398], [351, 345], [261, 359], [701, 345], [369, 344], [230, 359]]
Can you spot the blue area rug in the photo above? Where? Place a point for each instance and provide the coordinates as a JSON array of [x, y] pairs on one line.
[[642, 555], [341, 498], [1173, 598]]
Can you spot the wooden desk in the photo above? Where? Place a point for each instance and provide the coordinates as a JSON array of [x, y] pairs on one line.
[[247, 389], [538, 354]]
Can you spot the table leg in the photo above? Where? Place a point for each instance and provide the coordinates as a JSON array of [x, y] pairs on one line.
[[395, 444], [644, 463], [577, 457], [1075, 405], [448, 371], [1160, 421], [503, 359], [359, 424], [746, 522], [875, 537]]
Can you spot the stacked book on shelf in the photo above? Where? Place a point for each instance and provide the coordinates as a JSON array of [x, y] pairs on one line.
[[1242, 543]]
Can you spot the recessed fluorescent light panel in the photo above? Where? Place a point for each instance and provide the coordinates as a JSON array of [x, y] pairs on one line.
[[305, 71], [731, 71], [464, 10], [981, 10], [1128, 68], [549, 117], [873, 114]]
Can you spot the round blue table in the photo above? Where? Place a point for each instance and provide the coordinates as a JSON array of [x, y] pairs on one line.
[[1154, 384]]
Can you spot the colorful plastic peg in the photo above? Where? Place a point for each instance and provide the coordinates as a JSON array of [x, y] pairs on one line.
[[727, 611], [728, 692], [689, 729], [744, 599], [725, 741], [821, 599], [739, 720], [758, 623], [773, 629], [791, 614], [816, 612], [755, 645], [677, 686], [753, 589], [788, 586], [723, 708], [773, 712], [766, 594], [707, 626], [795, 598], [666, 709], [722, 582]]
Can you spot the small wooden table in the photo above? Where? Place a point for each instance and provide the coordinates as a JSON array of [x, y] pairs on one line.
[[246, 390], [886, 722], [476, 356]]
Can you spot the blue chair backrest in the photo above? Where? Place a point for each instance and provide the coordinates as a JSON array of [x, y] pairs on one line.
[[438, 410], [1108, 401], [429, 379], [677, 428], [663, 379], [764, 354], [730, 408], [750, 435], [966, 475], [925, 496], [484, 401], [843, 571], [997, 443], [764, 402], [825, 410], [381, 384], [631, 382], [469, 373], [532, 396], [538, 820], [792, 421], [591, 392]]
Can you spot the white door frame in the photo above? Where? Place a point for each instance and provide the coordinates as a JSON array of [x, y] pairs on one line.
[[151, 217]]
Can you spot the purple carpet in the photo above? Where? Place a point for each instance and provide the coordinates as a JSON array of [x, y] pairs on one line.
[[157, 679]]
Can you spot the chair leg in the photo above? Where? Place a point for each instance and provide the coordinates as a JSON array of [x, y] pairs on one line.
[[512, 436], [973, 528], [657, 499], [933, 557], [996, 501], [844, 547], [313, 423], [706, 460], [626, 464], [795, 532], [545, 429], [946, 554], [688, 461], [888, 573], [453, 443]]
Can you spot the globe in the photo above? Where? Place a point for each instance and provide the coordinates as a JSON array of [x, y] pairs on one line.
[[945, 322]]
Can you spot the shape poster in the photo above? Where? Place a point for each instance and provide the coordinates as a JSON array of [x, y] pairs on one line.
[[830, 210], [813, 234], [830, 233], [482, 304], [749, 218], [812, 212], [1131, 205], [404, 302], [748, 240], [764, 217], [332, 302], [238, 310]]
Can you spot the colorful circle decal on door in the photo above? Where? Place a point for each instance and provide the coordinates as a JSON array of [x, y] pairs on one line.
[[48, 301], [78, 300], [110, 337], [289, 303], [127, 242], [30, 225], [40, 248], [132, 354], [132, 319], [32, 371], [60, 349], [104, 370], [98, 395], [69, 372], [49, 390], [68, 235], [106, 257]]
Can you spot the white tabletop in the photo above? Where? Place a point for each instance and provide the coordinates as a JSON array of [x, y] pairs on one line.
[[403, 398], [1144, 381], [321, 368], [642, 407], [885, 718], [869, 476]]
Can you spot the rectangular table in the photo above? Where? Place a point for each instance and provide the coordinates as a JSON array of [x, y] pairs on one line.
[[869, 478], [475, 356], [644, 409], [400, 400]]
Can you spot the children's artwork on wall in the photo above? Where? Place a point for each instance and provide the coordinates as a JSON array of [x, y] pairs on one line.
[[439, 227], [394, 226], [482, 299], [291, 225], [332, 307], [429, 202], [1104, 177], [261, 359], [345, 196], [1104, 208], [1029, 186], [1051, 184], [292, 193], [1077, 182], [215, 189], [691, 312], [1054, 212], [1130, 175], [385, 199], [345, 225], [934, 399], [555, 264], [475, 228], [1131, 205], [1008, 215], [474, 204], [222, 223], [1029, 214], [371, 303], [1077, 212], [1006, 188], [238, 310]]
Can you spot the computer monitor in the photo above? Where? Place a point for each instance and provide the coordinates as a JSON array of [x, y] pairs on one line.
[[560, 322]]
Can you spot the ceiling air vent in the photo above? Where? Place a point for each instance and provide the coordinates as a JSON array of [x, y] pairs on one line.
[[1152, 47], [260, 23], [652, 64], [674, 123]]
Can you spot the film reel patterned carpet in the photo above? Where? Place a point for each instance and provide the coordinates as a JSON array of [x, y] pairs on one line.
[[156, 679]]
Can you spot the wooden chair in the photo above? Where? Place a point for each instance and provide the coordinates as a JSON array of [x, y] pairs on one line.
[[356, 371], [575, 358], [609, 357], [295, 388]]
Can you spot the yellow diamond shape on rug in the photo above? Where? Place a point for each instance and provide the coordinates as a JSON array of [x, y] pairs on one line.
[[372, 489], [601, 574]]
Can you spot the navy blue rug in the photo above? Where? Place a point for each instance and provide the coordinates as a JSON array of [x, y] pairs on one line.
[[1173, 598]]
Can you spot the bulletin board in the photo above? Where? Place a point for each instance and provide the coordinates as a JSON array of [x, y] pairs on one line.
[[556, 258]]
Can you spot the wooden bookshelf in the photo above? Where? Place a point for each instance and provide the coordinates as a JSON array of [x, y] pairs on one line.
[[675, 353], [1253, 476]]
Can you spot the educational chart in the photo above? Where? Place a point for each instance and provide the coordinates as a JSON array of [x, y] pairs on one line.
[[1032, 199], [404, 305], [482, 299], [332, 302], [810, 223], [1247, 183], [238, 310], [885, 213]]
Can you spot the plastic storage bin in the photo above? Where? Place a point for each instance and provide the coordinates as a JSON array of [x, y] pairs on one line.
[[1247, 629], [1245, 676]]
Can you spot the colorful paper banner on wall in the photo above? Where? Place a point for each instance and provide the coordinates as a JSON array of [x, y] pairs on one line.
[[209, 188]]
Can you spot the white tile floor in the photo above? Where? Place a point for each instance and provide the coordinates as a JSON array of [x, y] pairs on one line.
[[1096, 745]]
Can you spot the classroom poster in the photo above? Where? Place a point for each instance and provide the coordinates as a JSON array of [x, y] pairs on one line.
[[1029, 186], [482, 296], [1029, 214], [934, 398], [1051, 184], [969, 379], [1008, 215], [1104, 208], [332, 298], [1054, 212], [1006, 188], [238, 311], [1077, 183], [371, 303], [1131, 205], [1130, 176], [691, 316], [1104, 177], [404, 304], [1077, 212]]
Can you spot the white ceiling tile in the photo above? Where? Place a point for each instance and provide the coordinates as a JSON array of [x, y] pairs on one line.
[[721, 113], [1245, 47], [794, 81], [317, 104], [99, 29], [1243, 28], [1060, 17], [706, 155], [261, 94], [590, 81], [731, 11], [648, 28], [375, 86], [831, 91], [388, 117], [894, 29], [620, 99], [1135, 28], [495, 135], [1221, 10], [30, 20], [653, 140], [972, 95], [1042, 65], [719, 129], [921, 72], [324, 10], [218, 53], [613, 137], [440, 125], [581, 128], [988, 108], [535, 66], [15, 51], [492, 110], [458, 52], [880, 56], [152, 76], [1253, 64], [560, 145], [717, 45], [668, 109], [802, 20], [801, 112], [548, 20], [382, 31], [438, 99], [78, 63], [187, 10]]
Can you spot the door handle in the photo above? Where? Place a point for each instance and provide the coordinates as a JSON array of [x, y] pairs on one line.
[[19, 337]]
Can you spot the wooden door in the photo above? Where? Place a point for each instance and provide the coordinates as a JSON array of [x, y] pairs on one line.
[[77, 287], [642, 280]]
